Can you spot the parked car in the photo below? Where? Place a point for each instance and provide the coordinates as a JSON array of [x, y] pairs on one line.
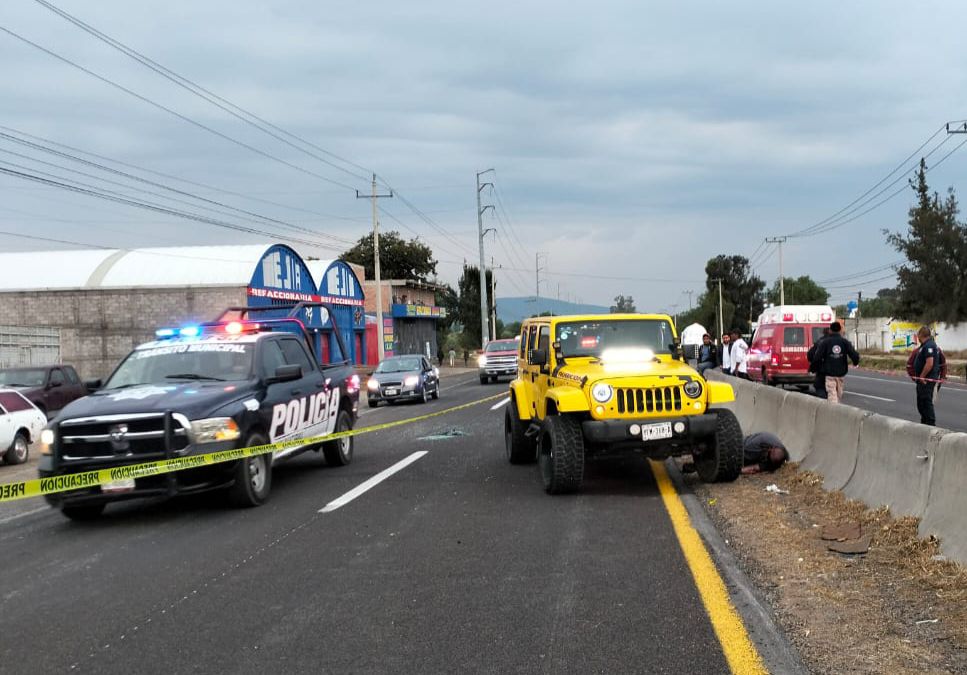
[[499, 358], [401, 378], [50, 388], [20, 425]]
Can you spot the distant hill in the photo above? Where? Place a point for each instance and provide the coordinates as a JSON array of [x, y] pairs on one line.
[[510, 310]]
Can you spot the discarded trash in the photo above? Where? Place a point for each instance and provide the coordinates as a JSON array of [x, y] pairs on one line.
[[923, 621], [841, 532], [775, 489], [938, 558], [851, 547], [445, 434]]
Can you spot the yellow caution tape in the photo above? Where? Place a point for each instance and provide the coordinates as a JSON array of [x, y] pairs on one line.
[[73, 481]]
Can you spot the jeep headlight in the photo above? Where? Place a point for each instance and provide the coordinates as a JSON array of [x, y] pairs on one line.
[[47, 438], [602, 392], [693, 389], [214, 429]]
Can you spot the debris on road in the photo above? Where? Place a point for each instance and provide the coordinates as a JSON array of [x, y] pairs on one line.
[[775, 489], [851, 546], [841, 532]]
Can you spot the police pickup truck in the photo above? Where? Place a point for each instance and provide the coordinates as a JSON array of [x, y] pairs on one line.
[[201, 389]]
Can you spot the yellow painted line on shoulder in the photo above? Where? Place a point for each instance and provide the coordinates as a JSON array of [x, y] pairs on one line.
[[87, 479], [740, 653]]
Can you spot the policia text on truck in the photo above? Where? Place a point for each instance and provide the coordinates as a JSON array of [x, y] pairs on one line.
[[233, 383]]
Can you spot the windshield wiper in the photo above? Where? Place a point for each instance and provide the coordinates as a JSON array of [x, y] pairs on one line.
[[193, 376]]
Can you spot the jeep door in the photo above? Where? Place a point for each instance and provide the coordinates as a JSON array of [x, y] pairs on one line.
[[536, 377]]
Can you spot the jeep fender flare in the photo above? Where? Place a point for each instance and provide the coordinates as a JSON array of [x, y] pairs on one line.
[[720, 392], [518, 397], [567, 400]]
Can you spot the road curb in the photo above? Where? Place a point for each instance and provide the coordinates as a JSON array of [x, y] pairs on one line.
[[778, 653]]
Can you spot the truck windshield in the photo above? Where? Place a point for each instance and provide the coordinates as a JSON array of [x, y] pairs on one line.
[[592, 338], [23, 378], [194, 361], [502, 346]]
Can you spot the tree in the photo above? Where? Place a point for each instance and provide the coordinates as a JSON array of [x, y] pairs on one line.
[[800, 291], [932, 283], [448, 300], [623, 305], [742, 298], [468, 312], [511, 329], [398, 259]]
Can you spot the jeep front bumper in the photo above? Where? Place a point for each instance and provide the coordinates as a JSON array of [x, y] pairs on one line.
[[684, 428]]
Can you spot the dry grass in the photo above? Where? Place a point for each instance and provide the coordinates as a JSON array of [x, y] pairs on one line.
[[846, 614]]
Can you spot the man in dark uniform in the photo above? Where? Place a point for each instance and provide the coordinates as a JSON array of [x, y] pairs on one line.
[[819, 383], [832, 360], [926, 370]]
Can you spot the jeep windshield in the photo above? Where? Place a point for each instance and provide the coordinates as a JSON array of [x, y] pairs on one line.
[[185, 361], [593, 338]]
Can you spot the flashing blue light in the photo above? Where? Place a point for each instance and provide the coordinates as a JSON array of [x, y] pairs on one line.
[[164, 333], [190, 331]]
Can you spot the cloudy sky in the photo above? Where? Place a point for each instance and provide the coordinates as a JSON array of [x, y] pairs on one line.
[[630, 139]]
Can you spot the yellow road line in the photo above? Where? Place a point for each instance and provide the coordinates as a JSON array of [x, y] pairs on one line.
[[741, 654]]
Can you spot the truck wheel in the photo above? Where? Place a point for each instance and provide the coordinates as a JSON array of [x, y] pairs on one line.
[[519, 448], [253, 476], [484, 379], [561, 454], [340, 451], [19, 450], [720, 460], [83, 513]]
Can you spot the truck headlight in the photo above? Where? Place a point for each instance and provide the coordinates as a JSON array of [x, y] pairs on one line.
[[47, 441], [214, 429], [601, 392], [693, 389], [482, 361]]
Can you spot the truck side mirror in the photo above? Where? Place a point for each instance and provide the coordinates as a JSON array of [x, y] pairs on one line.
[[287, 373], [92, 385]]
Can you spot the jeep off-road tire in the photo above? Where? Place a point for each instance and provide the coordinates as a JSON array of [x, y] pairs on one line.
[[561, 454], [519, 448], [253, 476], [339, 452], [720, 460]]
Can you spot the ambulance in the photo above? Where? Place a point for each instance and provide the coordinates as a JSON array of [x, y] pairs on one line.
[[782, 338]]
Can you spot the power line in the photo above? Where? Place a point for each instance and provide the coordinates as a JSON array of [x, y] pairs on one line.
[[861, 283], [425, 218], [170, 111], [209, 96], [864, 273]]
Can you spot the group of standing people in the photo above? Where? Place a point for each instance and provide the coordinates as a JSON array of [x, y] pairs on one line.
[[732, 355]]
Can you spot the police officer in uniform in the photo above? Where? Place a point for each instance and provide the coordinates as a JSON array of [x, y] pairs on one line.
[[926, 371]]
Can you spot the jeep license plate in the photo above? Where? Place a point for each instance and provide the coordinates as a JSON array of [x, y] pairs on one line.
[[654, 432], [391, 392], [123, 485]]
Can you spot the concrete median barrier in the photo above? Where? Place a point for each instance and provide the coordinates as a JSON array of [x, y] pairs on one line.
[[835, 444], [944, 516], [768, 406], [797, 424], [894, 464]]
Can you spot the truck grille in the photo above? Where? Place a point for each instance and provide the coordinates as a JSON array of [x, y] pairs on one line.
[[658, 399], [113, 436], [501, 362]]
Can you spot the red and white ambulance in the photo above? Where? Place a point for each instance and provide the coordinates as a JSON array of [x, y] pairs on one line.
[[784, 334]]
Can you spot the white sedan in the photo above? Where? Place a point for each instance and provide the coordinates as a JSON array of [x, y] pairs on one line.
[[20, 425]]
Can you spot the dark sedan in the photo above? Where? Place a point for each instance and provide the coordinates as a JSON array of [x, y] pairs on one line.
[[402, 378]]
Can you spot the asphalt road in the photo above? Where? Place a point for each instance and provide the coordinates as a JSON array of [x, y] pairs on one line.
[[456, 563], [895, 395]]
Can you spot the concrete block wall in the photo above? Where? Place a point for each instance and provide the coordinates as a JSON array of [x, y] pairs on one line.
[[913, 469], [99, 326]]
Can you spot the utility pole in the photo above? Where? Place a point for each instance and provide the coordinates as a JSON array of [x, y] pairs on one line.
[[689, 294], [379, 281], [721, 323], [782, 284], [484, 330]]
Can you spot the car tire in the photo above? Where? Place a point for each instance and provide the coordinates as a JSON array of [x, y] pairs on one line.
[[84, 513], [519, 448], [720, 459], [253, 476], [426, 394], [436, 391], [372, 404], [340, 451], [561, 454], [19, 450]]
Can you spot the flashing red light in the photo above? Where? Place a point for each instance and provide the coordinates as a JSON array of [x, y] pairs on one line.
[[352, 384], [827, 317], [788, 317], [233, 328], [588, 342], [775, 359]]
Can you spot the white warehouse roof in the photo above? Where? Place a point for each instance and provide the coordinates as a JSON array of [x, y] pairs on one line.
[[118, 268]]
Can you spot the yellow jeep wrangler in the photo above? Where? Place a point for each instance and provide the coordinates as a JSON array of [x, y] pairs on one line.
[[601, 386]]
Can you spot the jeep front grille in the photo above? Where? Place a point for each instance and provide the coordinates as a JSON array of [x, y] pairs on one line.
[[658, 399]]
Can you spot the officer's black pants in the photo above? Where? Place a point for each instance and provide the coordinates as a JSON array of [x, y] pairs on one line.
[[819, 384], [925, 403]]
